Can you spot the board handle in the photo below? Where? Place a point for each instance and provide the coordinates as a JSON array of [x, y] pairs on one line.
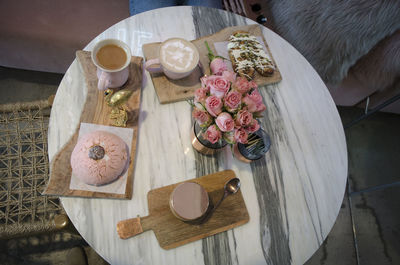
[[130, 227]]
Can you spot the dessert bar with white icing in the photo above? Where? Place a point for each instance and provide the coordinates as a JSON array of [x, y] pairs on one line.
[[247, 54]]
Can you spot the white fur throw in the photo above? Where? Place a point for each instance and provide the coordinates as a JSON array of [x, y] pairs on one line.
[[334, 34]]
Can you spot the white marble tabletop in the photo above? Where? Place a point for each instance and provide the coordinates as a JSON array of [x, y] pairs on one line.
[[293, 196]]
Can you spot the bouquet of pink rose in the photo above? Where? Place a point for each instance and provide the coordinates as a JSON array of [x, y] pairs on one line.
[[226, 106]]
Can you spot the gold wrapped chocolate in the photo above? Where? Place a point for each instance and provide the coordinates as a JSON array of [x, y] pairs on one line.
[[115, 100], [118, 98]]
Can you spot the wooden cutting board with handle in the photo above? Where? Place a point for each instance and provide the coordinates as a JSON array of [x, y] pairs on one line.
[[172, 232]]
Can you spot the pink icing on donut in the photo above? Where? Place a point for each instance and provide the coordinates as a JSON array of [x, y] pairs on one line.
[[103, 170]]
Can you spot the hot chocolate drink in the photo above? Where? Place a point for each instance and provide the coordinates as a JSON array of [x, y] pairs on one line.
[[189, 201], [178, 55]]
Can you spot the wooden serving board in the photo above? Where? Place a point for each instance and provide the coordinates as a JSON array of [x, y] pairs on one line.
[[169, 91], [172, 232], [97, 111]]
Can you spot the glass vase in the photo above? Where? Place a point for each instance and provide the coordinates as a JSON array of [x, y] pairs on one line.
[[258, 146], [202, 145]]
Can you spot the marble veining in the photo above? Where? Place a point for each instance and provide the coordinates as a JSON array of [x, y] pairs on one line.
[[273, 224], [215, 248], [293, 195]]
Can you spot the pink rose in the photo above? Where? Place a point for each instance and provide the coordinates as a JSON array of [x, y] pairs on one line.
[[220, 87], [241, 136], [200, 94], [256, 96], [201, 116], [253, 126], [214, 105], [218, 66], [225, 122], [244, 118], [260, 107], [232, 100], [250, 104], [230, 76], [207, 82], [243, 86], [212, 134]]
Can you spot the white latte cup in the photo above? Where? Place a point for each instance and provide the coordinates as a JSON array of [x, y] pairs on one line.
[[177, 59], [111, 74]]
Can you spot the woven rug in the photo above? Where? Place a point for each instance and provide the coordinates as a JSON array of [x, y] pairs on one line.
[[24, 170]]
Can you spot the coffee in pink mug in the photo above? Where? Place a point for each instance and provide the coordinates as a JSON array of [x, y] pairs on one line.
[[177, 59], [112, 58]]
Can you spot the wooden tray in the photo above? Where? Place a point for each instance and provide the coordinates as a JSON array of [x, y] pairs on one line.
[[97, 111], [169, 91], [172, 232]]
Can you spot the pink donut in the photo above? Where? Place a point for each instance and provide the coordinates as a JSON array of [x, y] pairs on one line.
[[99, 158]]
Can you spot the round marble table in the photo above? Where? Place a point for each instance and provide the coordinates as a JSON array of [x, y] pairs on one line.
[[293, 196]]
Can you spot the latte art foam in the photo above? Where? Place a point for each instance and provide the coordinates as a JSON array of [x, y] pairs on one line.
[[178, 55]]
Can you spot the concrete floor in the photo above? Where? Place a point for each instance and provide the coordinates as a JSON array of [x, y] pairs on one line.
[[367, 230]]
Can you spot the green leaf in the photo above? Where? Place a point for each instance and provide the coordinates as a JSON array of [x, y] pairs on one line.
[[190, 102], [210, 54]]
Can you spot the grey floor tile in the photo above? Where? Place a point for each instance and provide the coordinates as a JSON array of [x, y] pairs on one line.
[[18, 85], [338, 247], [377, 222], [373, 149]]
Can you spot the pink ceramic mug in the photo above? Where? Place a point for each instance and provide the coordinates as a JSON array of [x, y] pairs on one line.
[[177, 59], [111, 77]]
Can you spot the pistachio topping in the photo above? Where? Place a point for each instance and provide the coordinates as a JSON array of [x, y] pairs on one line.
[[247, 52]]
